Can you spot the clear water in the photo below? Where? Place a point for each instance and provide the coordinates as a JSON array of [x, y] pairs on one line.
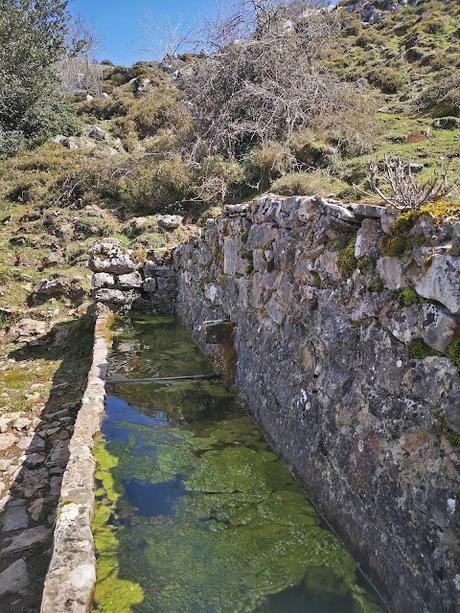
[[194, 513]]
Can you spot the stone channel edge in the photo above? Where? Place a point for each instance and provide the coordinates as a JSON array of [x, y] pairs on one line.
[[71, 577]]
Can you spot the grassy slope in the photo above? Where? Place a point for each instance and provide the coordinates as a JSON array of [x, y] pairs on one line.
[[388, 49]]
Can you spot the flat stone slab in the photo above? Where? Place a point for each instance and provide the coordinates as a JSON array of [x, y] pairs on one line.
[[28, 538], [14, 579], [15, 519]]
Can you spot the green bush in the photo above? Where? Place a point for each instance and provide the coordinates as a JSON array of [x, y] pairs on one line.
[[108, 108], [216, 178], [388, 80], [159, 109], [31, 41], [154, 185], [443, 97], [369, 37]]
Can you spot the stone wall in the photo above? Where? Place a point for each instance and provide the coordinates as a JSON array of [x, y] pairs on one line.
[[347, 334], [122, 282], [71, 576]]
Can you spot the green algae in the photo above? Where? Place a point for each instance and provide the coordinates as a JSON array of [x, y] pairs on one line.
[[238, 534], [113, 594]]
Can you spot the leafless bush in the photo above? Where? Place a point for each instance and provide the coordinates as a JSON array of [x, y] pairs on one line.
[[77, 69], [406, 194], [263, 77]]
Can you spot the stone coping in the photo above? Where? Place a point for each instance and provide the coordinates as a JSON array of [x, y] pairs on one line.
[[71, 578]]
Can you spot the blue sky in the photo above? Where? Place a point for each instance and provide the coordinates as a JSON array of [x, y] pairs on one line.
[[118, 23]]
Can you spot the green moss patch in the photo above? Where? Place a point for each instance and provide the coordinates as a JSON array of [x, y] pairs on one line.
[[346, 260], [449, 434]]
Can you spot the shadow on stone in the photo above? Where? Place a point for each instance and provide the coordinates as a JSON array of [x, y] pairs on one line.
[[28, 516]]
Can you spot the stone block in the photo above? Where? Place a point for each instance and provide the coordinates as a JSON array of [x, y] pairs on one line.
[[218, 332], [367, 239], [441, 282]]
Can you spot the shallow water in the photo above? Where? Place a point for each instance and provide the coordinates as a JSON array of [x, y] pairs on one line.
[[194, 513]]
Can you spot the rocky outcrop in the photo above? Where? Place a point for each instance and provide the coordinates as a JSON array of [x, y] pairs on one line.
[[346, 332]]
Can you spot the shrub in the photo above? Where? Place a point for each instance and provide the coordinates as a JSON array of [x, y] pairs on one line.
[[346, 260], [154, 185], [388, 80], [105, 108], [267, 162], [311, 150], [157, 110], [216, 177], [369, 37], [307, 184], [443, 97], [418, 349], [262, 82]]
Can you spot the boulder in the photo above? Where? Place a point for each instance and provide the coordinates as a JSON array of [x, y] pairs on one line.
[[367, 239], [169, 222], [439, 327], [113, 297], [15, 518], [154, 269], [29, 331], [96, 133], [107, 256], [76, 289], [391, 272], [367, 210], [51, 288], [54, 259], [28, 538], [441, 282]]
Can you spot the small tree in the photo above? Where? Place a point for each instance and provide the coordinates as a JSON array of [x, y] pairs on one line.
[[77, 69], [405, 193], [32, 38]]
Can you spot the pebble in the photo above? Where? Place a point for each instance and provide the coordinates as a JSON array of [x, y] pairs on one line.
[[4, 465], [36, 509], [25, 442], [34, 459]]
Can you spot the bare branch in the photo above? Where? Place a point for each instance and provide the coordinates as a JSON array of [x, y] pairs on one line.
[[406, 194]]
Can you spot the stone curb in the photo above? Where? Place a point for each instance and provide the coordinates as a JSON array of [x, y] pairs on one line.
[[71, 577]]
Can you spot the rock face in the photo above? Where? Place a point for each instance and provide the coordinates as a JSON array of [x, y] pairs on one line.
[[333, 340]]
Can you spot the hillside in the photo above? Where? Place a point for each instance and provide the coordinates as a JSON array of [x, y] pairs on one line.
[[129, 165]]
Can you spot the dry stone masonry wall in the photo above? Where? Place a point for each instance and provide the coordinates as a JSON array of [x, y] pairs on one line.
[[121, 282], [346, 331]]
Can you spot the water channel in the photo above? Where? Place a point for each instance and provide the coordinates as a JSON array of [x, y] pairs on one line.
[[194, 513]]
